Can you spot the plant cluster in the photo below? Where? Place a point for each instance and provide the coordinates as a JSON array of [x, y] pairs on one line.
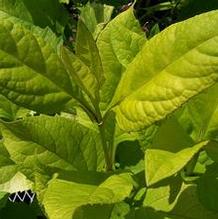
[[104, 120]]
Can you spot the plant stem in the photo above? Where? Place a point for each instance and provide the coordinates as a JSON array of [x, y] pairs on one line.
[[159, 7], [106, 147], [108, 161]]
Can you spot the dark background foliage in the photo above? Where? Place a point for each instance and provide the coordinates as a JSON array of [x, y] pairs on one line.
[[153, 15]]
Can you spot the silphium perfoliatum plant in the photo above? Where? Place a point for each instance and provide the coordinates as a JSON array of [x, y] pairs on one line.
[[122, 127]]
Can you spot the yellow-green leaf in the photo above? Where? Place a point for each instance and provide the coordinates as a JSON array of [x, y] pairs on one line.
[[171, 68]]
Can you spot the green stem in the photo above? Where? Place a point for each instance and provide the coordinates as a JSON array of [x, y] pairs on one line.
[[112, 155], [159, 7], [95, 115], [108, 161], [106, 147]]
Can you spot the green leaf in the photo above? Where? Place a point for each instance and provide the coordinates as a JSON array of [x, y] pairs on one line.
[[42, 13], [121, 136], [118, 44], [18, 182], [175, 200], [73, 195], [82, 118], [31, 73], [9, 111], [146, 136], [169, 70], [80, 73], [46, 33], [7, 167], [85, 67], [11, 180], [95, 16], [169, 152], [52, 142], [87, 51], [154, 30], [208, 188], [199, 117]]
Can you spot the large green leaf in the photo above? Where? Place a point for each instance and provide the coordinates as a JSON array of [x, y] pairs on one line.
[[175, 200], [171, 68], [170, 151], [53, 142], [73, 195], [118, 44], [42, 13], [31, 73]]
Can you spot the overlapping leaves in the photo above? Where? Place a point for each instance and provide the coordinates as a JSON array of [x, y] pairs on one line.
[[113, 68]]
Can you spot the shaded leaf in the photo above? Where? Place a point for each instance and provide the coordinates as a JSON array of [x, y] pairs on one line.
[[212, 150], [208, 188], [175, 200], [169, 152], [41, 13], [116, 211], [199, 117]]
